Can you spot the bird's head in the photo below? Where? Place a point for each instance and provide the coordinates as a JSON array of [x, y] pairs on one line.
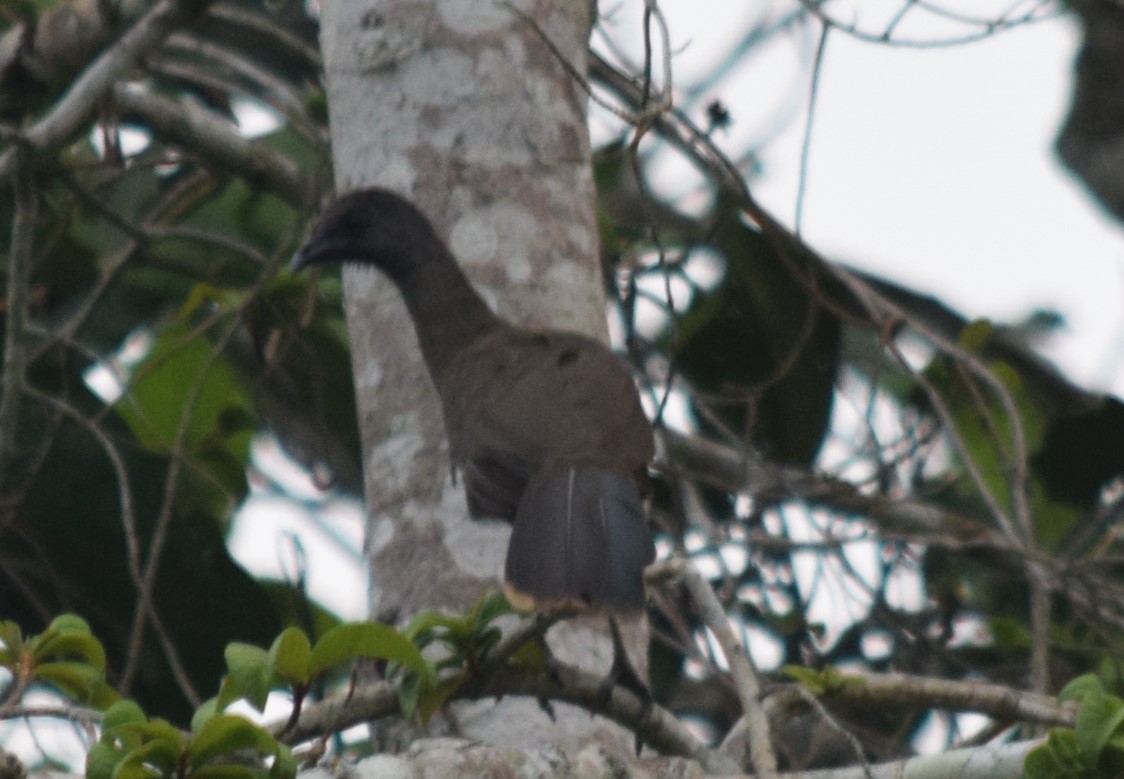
[[373, 227]]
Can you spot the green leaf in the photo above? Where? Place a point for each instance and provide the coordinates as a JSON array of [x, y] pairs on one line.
[[70, 643], [12, 640], [1079, 688], [366, 639], [225, 734], [424, 624], [165, 382], [761, 344], [139, 769], [124, 712], [249, 675], [485, 641], [207, 709], [69, 623], [291, 655], [77, 681], [242, 210], [430, 702], [164, 731], [204, 297], [409, 694], [181, 376], [102, 759], [284, 764], [158, 757], [103, 695], [488, 608], [1099, 718], [1056, 758]]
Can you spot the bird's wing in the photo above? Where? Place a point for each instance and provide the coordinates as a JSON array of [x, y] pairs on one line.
[[517, 401]]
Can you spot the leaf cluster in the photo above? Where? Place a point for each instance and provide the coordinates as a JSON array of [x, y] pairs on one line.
[[1094, 747], [219, 746], [69, 659], [66, 657]]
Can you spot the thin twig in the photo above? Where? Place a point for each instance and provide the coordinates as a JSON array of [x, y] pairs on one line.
[[748, 687], [806, 145], [643, 113], [989, 28], [72, 713], [15, 344], [827, 717]]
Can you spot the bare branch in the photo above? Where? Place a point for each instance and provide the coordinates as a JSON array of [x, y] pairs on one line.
[[995, 700], [15, 344], [712, 614], [218, 143], [77, 105], [1039, 11]]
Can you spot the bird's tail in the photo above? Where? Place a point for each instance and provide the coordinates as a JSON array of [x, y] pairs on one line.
[[580, 540]]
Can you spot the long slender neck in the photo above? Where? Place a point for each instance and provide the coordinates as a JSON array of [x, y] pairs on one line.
[[448, 313]]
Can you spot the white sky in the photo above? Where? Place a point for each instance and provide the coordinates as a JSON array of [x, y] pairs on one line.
[[931, 167]]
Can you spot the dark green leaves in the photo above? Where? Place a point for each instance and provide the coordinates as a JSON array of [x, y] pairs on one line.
[[1094, 748], [65, 656], [465, 642], [135, 747], [761, 347], [372, 640], [294, 663]]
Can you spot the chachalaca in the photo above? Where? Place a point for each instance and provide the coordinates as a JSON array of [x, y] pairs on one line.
[[545, 426]]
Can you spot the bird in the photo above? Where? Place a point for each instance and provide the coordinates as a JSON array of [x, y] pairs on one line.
[[545, 427]]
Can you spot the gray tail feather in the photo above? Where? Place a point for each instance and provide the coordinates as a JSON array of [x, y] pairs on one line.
[[580, 539]]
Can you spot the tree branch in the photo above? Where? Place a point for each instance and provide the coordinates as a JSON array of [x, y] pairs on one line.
[[994, 700], [15, 345], [74, 108], [217, 142], [712, 614]]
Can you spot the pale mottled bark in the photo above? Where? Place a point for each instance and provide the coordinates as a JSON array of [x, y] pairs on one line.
[[460, 106]]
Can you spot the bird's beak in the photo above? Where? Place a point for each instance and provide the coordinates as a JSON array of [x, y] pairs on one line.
[[298, 262], [317, 250]]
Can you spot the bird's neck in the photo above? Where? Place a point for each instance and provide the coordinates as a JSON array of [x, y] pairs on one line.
[[448, 313]]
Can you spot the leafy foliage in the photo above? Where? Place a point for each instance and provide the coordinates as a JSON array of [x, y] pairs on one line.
[[175, 258], [220, 746], [294, 664], [465, 641], [65, 656], [1094, 748]]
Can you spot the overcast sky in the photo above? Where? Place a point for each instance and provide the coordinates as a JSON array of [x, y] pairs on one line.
[[933, 167]]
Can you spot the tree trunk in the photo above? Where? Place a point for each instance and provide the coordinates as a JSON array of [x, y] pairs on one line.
[[462, 107]]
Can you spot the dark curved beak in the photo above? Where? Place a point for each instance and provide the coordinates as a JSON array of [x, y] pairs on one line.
[[316, 250]]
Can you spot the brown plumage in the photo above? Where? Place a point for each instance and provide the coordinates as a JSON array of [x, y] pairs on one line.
[[545, 426]]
